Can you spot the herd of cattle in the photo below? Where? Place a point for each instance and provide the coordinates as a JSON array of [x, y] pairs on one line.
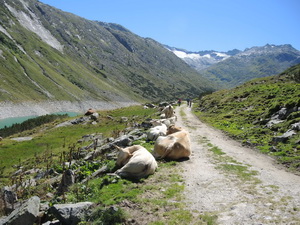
[[171, 142]]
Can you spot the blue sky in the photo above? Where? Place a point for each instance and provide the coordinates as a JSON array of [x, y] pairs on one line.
[[197, 25]]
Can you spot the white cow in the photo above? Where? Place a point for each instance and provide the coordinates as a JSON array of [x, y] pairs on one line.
[[135, 162], [168, 122], [155, 132]]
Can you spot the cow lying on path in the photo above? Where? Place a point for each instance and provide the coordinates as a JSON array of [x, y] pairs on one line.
[[175, 145], [155, 132], [136, 162], [168, 122]]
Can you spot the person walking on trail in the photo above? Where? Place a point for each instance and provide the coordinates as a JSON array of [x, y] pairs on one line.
[[179, 102], [190, 103]]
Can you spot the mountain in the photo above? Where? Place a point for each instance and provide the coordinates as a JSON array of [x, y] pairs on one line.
[[232, 68], [202, 59], [263, 112], [47, 54]]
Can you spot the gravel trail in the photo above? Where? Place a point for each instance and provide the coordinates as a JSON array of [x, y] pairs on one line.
[[239, 185]]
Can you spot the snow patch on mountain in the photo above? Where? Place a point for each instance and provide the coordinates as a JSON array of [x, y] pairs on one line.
[[183, 55], [222, 55], [200, 61]]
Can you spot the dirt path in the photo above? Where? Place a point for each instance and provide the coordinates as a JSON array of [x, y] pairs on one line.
[[241, 186]]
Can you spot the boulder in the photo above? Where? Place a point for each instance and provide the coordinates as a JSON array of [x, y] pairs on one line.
[[80, 120], [296, 126], [273, 122], [99, 151], [274, 149], [146, 124], [124, 119], [95, 116], [163, 104], [26, 214], [124, 140], [137, 134], [149, 105], [9, 198], [284, 138], [71, 214], [68, 179], [283, 113]]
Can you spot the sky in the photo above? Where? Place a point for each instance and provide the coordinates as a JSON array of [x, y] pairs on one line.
[[197, 25]]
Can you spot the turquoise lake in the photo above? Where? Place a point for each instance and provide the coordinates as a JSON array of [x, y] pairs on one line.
[[10, 121]]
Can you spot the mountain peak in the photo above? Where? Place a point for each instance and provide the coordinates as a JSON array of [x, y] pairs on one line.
[[268, 49]]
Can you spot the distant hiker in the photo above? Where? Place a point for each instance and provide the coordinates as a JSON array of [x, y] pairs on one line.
[[190, 103], [179, 102]]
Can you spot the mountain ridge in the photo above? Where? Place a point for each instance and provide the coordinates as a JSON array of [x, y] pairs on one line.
[[234, 67]]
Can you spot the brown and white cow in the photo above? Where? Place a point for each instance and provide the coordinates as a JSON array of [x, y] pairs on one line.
[[90, 112], [175, 145], [135, 162]]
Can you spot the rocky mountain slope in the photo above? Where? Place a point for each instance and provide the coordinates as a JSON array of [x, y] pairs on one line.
[[235, 67], [47, 54]]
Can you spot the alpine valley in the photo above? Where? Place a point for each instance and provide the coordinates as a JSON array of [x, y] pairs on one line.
[[52, 61]]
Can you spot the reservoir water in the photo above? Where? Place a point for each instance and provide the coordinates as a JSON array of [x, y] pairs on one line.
[[10, 121]]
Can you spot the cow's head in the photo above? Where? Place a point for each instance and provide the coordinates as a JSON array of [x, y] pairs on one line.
[[173, 129], [123, 156]]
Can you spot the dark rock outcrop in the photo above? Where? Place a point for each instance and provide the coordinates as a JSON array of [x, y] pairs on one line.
[[71, 214], [24, 215]]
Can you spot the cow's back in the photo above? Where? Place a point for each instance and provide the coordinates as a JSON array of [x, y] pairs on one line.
[[141, 164], [173, 146]]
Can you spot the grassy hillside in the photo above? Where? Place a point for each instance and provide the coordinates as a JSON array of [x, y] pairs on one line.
[[259, 112], [48, 54]]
